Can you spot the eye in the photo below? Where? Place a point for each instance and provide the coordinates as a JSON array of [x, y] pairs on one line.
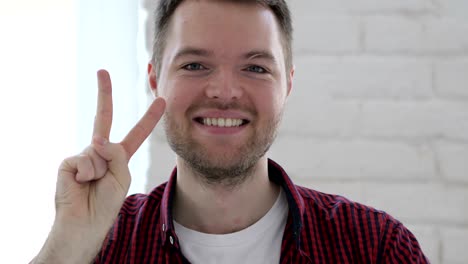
[[256, 69], [194, 67]]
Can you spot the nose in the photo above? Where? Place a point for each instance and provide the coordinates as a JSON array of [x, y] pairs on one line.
[[225, 86]]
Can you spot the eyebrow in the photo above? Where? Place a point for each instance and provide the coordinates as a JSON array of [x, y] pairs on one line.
[[190, 51], [255, 54], [260, 54]]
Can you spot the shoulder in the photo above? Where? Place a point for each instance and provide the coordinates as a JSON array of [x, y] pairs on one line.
[[347, 223], [339, 214], [330, 204], [343, 211]]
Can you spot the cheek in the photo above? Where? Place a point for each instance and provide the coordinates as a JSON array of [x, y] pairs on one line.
[[176, 105], [178, 97], [269, 102]]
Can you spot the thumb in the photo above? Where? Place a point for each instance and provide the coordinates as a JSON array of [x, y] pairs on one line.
[[116, 158]]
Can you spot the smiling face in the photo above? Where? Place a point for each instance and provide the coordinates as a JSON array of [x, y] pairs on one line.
[[224, 79]]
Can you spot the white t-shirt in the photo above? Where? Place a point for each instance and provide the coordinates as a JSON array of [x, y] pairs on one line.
[[258, 243]]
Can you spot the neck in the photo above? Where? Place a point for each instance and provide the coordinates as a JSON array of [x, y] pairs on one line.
[[220, 209]]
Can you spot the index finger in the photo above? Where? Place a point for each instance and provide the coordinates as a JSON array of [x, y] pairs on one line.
[[144, 127], [103, 118]]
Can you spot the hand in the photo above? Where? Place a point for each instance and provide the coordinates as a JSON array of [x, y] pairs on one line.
[[92, 186]]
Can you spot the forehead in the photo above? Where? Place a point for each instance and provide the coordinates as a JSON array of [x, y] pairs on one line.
[[224, 27]]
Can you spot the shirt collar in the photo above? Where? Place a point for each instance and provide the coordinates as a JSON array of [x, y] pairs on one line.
[[167, 224], [295, 201], [276, 174]]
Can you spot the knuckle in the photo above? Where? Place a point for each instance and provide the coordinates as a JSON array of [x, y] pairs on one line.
[[72, 163], [68, 165], [68, 162]]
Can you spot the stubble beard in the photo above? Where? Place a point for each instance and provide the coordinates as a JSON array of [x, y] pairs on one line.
[[230, 168]]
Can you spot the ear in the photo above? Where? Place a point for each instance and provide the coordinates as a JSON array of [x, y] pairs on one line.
[[152, 78], [290, 80]]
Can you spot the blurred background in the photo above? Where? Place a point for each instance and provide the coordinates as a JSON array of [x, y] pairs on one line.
[[378, 112]]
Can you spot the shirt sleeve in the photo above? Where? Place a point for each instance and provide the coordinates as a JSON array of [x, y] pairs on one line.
[[108, 248], [401, 246]]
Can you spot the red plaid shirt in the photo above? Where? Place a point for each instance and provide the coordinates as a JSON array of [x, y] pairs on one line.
[[321, 228]]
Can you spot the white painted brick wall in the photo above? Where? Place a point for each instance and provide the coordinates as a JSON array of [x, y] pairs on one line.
[[372, 160], [365, 7], [453, 161], [415, 35], [451, 78], [455, 244], [345, 32], [349, 76], [379, 113], [417, 120]]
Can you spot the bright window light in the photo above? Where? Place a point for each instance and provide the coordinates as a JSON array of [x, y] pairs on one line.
[[37, 109], [49, 53]]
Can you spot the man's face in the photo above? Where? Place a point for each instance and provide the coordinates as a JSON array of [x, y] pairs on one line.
[[224, 80]]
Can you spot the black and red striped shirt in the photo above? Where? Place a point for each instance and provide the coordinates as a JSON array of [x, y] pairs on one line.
[[321, 228]]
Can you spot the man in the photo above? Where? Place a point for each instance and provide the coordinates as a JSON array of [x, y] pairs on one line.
[[222, 71]]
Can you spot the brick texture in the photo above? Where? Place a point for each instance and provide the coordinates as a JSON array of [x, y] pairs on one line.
[[451, 78], [453, 159], [455, 243], [416, 35]]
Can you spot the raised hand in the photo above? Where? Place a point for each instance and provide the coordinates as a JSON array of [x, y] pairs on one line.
[[92, 186]]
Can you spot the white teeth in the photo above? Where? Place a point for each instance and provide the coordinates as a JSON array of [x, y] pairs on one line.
[[222, 122]]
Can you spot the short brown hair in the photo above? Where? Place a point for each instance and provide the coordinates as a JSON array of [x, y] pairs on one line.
[[166, 8]]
